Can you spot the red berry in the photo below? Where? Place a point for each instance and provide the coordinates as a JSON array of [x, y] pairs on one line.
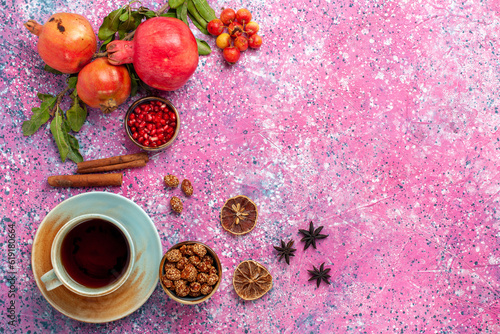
[[235, 29], [255, 41], [227, 16], [241, 43], [231, 54], [243, 16], [215, 27], [251, 28]]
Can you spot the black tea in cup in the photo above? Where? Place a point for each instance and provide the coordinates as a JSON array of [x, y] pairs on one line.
[[95, 253]]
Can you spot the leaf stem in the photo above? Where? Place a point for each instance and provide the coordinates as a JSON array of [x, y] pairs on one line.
[[162, 9], [58, 101]]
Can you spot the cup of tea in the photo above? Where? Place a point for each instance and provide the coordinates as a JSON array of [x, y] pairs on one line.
[[92, 255]]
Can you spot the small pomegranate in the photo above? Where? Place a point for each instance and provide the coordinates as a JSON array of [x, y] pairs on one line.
[[102, 85], [66, 42], [215, 27], [227, 16], [235, 29], [255, 41], [241, 43], [231, 54], [252, 28], [164, 53], [243, 16]]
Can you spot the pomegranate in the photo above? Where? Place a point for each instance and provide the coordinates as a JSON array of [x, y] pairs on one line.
[[164, 53], [102, 85], [66, 42]]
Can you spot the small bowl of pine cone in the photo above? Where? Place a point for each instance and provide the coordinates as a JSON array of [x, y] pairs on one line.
[[190, 272]]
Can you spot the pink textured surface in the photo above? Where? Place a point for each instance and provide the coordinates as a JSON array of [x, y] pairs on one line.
[[378, 120]]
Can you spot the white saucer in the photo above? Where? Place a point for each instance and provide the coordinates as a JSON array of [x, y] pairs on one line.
[[143, 279]]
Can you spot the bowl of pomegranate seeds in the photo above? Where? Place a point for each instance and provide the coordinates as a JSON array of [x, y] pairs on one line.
[[152, 123]]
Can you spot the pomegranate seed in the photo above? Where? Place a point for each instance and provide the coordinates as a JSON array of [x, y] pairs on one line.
[[152, 123]]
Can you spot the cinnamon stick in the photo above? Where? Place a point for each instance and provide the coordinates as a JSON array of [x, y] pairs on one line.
[[87, 180], [112, 161], [131, 164]]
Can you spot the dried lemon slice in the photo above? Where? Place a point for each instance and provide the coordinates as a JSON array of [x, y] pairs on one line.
[[239, 215], [252, 280]]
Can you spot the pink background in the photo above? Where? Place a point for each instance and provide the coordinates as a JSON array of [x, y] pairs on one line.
[[378, 120]]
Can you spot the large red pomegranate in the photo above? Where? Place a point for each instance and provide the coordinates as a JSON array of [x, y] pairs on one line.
[[66, 42], [164, 53], [102, 85]]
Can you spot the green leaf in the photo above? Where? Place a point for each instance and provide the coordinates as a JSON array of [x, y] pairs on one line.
[[198, 25], [40, 114], [175, 3], [124, 16], [182, 12], [168, 14], [102, 48], [134, 79], [205, 10], [150, 14], [105, 30], [72, 80], [56, 127], [74, 149], [122, 34], [76, 115], [197, 17], [38, 119], [203, 47], [52, 70], [110, 24]]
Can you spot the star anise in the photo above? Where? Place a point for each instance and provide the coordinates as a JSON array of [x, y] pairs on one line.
[[312, 235], [286, 250], [320, 274]]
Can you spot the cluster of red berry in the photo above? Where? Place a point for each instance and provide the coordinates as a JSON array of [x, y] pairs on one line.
[[241, 33]]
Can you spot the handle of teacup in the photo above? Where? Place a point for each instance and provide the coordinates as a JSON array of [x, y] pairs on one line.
[[50, 280]]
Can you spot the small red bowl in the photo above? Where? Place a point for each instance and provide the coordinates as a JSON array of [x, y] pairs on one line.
[[147, 100]]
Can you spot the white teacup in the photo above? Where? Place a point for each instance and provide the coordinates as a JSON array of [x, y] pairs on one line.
[[59, 274]]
